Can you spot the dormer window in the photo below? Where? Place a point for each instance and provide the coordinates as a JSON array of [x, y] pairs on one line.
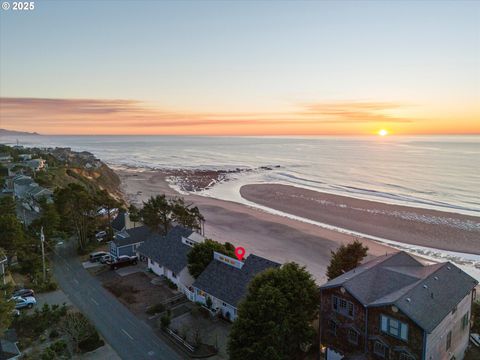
[[342, 306]]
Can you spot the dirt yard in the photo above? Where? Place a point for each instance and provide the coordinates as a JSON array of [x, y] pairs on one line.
[[136, 290], [195, 325]]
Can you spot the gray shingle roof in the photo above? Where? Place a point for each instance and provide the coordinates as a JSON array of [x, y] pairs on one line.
[[168, 251], [432, 291], [24, 181], [118, 223], [229, 283], [132, 236]]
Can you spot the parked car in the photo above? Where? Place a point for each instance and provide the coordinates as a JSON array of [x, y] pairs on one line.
[[106, 258], [23, 293], [101, 235], [24, 302], [122, 261], [475, 339], [96, 256]]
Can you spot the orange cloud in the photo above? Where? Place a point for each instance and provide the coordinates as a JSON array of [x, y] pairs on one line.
[[354, 111], [120, 116]]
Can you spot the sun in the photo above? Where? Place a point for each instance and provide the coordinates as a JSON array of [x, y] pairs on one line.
[[382, 132]]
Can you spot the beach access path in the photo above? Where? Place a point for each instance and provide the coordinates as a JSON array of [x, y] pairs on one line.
[[130, 337]]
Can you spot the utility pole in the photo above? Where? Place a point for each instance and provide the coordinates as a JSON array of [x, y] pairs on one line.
[[42, 240]]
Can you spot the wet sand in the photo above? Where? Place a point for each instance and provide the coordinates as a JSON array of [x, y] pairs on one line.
[[410, 225], [276, 237]]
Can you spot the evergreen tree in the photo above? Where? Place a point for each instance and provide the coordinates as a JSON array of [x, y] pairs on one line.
[[346, 258], [134, 214], [77, 210], [156, 214], [202, 253], [7, 206], [275, 319]]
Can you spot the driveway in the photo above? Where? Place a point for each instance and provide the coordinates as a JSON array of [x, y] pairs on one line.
[[130, 337], [56, 297]]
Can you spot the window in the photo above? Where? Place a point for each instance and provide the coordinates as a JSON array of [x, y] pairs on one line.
[[394, 327], [173, 275], [405, 356], [449, 340], [465, 320], [332, 327], [379, 349], [342, 306], [352, 336]]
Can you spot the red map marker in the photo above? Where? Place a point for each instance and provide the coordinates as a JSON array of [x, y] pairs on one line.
[[239, 251]]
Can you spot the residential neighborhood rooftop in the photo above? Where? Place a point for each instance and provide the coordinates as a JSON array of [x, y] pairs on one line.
[[133, 236], [118, 223], [169, 250], [230, 283], [414, 288]]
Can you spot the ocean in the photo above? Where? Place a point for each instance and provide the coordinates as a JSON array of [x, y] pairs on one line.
[[441, 173], [433, 172]]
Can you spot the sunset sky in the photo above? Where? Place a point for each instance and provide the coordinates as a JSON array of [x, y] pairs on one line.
[[241, 68]]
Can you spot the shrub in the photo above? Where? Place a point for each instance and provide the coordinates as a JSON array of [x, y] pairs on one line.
[[32, 326], [165, 321], [55, 350], [171, 284], [91, 343], [208, 302], [48, 354], [54, 334], [155, 309], [59, 346]]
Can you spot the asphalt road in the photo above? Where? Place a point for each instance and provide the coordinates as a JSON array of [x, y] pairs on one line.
[[127, 335]]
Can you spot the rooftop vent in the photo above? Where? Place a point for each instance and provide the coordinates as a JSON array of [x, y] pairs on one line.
[[449, 267], [435, 277], [425, 286], [408, 300]]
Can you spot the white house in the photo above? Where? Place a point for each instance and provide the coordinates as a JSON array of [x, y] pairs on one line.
[[36, 164], [25, 157], [225, 281], [5, 158], [167, 256]]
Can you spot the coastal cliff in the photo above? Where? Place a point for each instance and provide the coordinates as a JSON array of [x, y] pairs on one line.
[[62, 167]]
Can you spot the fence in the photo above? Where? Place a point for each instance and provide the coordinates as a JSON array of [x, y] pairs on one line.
[[180, 340]]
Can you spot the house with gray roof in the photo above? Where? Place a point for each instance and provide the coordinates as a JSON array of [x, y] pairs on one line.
[[396, 307], [36, 164], [225, 281], [127, 242], [168, 256], [5, 158], [22, 184]]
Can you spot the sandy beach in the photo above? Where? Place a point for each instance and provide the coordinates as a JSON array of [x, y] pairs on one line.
[[276, 237], [410, 225]]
